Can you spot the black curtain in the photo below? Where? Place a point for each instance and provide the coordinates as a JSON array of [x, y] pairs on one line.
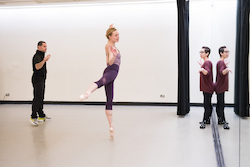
[[183, 57], [241, 98]]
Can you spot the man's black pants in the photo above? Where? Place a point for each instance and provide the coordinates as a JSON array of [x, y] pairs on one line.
[[37, 104]]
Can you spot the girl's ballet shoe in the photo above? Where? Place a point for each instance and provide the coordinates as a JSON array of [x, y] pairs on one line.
[[84, 96], [111, 131]]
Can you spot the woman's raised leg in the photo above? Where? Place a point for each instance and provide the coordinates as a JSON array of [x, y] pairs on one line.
[[90, 90]]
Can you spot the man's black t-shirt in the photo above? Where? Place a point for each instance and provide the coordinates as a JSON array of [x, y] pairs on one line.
[[38, 57]]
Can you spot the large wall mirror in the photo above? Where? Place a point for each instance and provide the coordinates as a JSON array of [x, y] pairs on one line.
[[244, 136], [213, 24]]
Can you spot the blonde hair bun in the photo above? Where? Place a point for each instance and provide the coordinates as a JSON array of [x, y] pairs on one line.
[[110, 31]]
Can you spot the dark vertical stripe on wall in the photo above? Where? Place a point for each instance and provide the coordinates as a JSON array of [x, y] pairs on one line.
[[241, 98], [183, 57]]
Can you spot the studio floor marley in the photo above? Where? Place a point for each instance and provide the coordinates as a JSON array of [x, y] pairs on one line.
[[78, 136]]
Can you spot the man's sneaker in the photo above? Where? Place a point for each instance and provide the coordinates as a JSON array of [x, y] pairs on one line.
[[34, 121], [44, 118], [220, 121], [203, 126], [225, 126], [205, 121]]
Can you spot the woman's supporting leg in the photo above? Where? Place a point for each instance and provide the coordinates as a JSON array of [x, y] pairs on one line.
[[109, 89], [109, 114]]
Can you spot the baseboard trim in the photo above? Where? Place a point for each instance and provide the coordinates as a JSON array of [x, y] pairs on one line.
[[103, 103]]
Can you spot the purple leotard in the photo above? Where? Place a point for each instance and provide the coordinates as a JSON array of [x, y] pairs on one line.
[[107, 80]]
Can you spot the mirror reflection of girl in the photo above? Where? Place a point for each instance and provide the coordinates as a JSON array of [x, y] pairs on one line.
[[206, 84], [113, 58], [221, 84]]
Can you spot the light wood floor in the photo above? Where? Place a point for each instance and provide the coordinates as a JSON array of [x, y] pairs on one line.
[[145, 136]]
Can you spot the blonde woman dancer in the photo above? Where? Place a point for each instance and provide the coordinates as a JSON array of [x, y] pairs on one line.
[[113, 60]]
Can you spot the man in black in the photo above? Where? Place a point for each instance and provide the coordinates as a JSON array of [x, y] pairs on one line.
[[38, 82]]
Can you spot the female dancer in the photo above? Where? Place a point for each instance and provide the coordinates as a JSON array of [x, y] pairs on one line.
[[113, 58], [206, 84]]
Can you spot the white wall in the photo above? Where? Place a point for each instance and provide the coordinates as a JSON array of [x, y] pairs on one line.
[[75, 36]]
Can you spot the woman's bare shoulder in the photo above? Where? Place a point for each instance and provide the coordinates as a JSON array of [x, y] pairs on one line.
[[107, 46]]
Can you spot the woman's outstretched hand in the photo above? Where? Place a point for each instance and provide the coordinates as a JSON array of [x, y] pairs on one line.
[[114, 51]]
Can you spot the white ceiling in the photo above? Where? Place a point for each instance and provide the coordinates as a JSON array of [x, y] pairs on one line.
[[27, 2], [32, 2]]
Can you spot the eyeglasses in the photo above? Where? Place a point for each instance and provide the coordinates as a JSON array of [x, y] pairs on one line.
[[226, 51], [201, 52]]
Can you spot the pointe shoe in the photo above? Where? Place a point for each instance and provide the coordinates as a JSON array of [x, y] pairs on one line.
[[111, 131], [84, 96]]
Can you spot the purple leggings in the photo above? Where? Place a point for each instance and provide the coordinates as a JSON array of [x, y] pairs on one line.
[[109, 75]]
